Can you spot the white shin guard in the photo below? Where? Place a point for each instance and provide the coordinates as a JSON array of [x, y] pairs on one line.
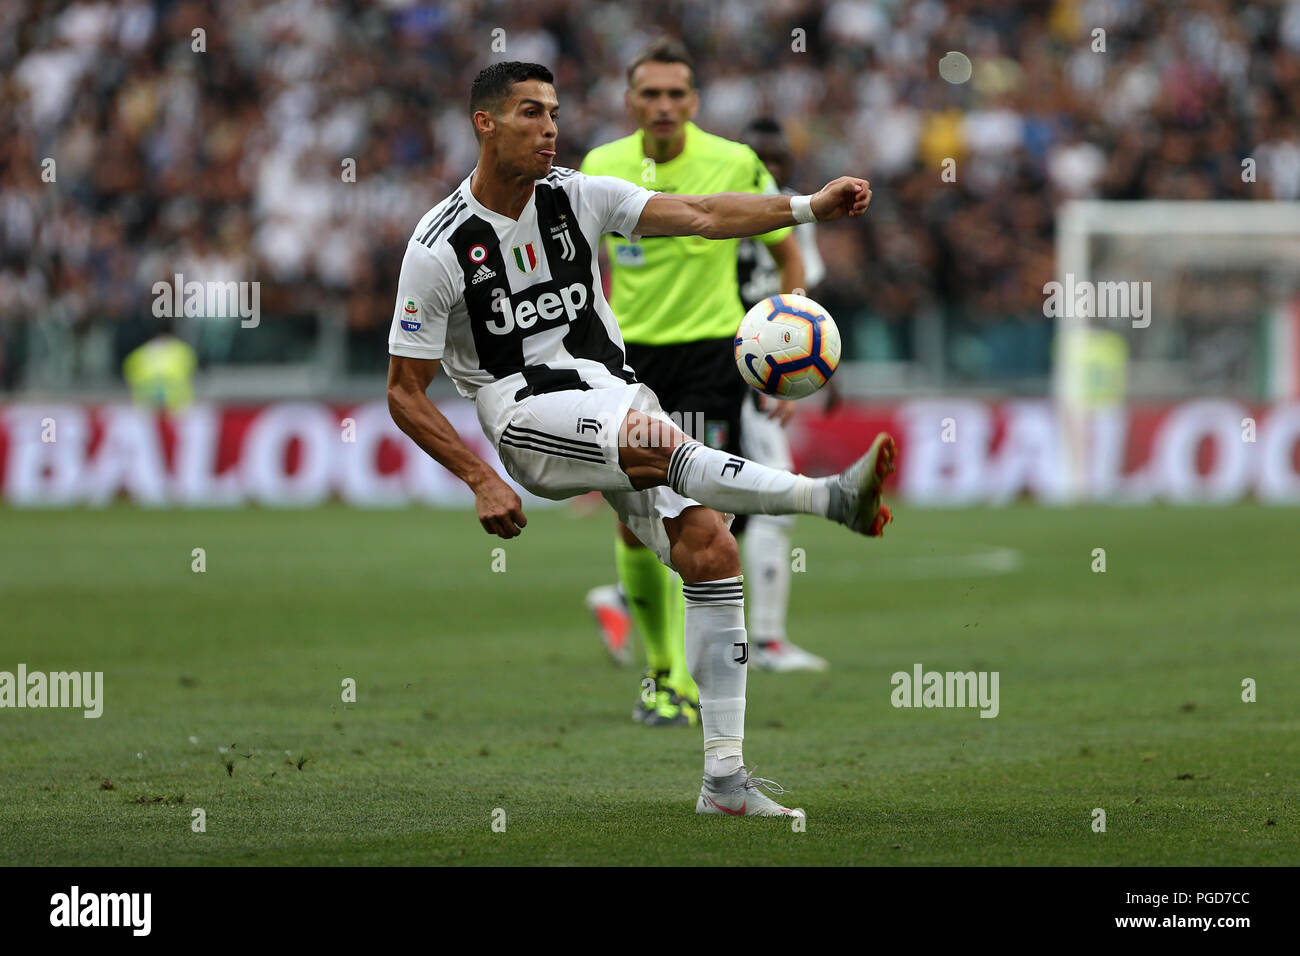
[[716, 653]]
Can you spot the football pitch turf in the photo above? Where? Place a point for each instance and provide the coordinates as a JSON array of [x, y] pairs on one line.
[[479, 689]]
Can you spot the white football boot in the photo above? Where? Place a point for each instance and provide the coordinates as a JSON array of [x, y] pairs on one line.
[[855, 492], [782, 656], [738, 795]]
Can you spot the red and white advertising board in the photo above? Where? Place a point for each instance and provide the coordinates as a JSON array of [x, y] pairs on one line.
[[953, 452]]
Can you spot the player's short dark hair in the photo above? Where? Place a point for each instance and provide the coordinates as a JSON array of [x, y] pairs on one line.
[[765, 136], [491, 88], [663, 50], [763, 126]]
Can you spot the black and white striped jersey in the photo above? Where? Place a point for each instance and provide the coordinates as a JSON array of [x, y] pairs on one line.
[[516, 307]]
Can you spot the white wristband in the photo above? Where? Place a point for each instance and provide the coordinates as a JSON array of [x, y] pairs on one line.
[[801, 209]]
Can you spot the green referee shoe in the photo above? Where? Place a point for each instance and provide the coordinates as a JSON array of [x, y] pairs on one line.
[[648, 697], [672, 709]]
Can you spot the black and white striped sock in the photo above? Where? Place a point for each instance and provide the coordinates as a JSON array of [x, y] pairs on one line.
[[729, 483], [717, 652]]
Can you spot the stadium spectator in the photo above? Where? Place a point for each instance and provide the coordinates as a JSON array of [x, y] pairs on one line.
[[132, 146]]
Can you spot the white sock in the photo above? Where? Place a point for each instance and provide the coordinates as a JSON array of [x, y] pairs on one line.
[[729, 483], [715, 646], [767, 562]]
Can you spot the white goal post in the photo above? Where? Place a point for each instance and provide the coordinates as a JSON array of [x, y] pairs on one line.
[[1219, 286]]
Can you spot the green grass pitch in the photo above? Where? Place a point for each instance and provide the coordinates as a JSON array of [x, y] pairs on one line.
[[478, 690]]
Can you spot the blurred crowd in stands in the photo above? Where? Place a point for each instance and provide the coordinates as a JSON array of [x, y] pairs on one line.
[[214, 139]]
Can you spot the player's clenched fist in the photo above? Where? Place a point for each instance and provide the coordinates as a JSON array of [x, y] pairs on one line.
[[846, 196], [500, 511]]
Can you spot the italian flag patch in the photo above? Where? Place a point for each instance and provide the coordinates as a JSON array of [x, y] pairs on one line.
[[525, 258]]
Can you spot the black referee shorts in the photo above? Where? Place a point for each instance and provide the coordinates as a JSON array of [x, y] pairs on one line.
[[698, 385]]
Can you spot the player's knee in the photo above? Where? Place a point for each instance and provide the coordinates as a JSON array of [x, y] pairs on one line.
[[645, 447], [708, 554], [720, 559]]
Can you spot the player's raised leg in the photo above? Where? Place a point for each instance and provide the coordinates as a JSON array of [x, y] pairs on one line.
[[654, 452]]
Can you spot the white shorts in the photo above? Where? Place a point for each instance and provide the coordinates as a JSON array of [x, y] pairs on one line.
[[562, 444]]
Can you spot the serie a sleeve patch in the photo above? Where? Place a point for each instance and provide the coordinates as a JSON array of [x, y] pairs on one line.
[[412, 310]]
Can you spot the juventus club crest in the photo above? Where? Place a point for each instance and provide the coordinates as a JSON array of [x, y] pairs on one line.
[[560, 233]]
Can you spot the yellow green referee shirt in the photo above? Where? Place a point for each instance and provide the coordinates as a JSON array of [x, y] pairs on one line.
[[672, 289]]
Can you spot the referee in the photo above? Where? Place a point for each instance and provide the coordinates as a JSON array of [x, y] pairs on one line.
[[678, 305]]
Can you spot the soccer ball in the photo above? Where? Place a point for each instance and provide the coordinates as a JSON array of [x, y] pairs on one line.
[[787, 346]]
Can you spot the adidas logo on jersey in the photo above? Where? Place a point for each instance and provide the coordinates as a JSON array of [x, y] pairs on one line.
[[484, 273]]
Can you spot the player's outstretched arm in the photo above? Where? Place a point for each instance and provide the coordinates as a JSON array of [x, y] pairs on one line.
[[738, 215], [499, 509]]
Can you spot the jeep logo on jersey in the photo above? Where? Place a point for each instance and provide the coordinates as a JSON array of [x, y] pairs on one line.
[[549, 307], [525, 258]]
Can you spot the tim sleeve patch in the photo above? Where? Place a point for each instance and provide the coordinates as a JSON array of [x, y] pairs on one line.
[[411, 312]]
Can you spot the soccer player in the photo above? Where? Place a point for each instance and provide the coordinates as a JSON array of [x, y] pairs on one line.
[[678, 306], [500, 286], [762, 427]]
